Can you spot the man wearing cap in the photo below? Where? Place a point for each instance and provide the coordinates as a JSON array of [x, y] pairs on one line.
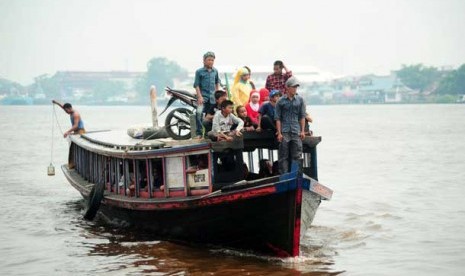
[[206, 83], [290, 125], [267, 112]]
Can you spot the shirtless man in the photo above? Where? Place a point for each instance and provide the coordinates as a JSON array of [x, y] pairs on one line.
[[77, 125]]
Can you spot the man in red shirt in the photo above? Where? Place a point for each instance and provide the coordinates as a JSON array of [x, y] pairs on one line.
[[277, 80]]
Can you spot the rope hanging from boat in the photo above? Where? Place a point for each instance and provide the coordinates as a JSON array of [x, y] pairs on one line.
[[51, 168], [56, 119], [53, 135]]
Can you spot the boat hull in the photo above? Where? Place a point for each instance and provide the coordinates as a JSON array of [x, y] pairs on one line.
[[269, 223], [262, 224]]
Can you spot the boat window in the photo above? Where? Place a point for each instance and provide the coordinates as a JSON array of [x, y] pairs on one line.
[[260, 163], [101, 172], [197, 172], [130, 178], [196, 162], [91, 167], [106, 171], [112, 172], [121, 182], [157, 174], [150, 176], [141, 174]]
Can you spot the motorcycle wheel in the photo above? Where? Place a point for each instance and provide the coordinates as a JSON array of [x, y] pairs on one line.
[[177, 123]]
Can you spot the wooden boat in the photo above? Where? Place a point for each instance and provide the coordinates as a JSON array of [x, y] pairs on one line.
[[199, 191]]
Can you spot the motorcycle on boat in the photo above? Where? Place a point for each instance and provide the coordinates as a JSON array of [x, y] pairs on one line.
[[178, 122]]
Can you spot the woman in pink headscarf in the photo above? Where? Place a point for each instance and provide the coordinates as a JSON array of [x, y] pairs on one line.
[[253, 106]]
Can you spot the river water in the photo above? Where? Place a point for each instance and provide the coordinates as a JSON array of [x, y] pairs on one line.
[[397, 171]]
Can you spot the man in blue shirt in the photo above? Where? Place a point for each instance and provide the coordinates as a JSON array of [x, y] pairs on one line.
[[267, 112], [206, 83], [290, 125]]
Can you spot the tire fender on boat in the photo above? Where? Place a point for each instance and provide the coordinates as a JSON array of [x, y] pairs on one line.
[[93, 203]]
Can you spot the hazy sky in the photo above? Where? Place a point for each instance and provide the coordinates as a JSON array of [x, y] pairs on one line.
[[343, 37]]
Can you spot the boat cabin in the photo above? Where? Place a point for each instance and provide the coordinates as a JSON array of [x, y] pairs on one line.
[[166, 168]]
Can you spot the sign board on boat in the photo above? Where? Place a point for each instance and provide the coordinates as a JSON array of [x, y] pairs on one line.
[[200, 178]]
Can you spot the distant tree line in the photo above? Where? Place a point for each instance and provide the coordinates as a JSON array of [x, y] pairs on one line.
[[431, 79], [160, 72]]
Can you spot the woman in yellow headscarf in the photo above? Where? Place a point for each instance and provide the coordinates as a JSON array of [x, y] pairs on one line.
[[240, 91]]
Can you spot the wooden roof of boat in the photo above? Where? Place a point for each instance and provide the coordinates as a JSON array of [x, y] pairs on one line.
[[119, 142]]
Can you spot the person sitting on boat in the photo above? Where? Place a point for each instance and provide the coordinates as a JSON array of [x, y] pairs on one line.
[[131, 185], [206, 83], [275, 168], [249, 176], [223, 122], [250, 76], [290, 125], [131, 190], [242, 114], [267, 112], [253, 106], [157, 178], [241, 88], [220, 96], [265, 168], [202, 163], [77, 125], [278, 79]]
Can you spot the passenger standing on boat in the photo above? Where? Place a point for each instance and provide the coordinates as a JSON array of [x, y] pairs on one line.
[[290, 125], [220, 96], [223, 123], [266, 117], [242, 87], [278, 79], [206, 83], [250, 76], [77, 125]]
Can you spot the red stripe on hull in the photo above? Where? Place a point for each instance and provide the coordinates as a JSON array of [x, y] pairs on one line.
[[298, 208]]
